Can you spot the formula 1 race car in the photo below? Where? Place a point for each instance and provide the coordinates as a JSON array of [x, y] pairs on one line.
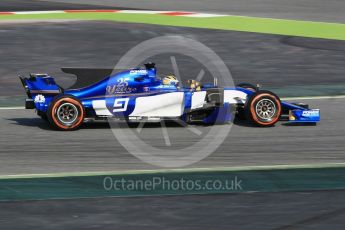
[[140, 95]]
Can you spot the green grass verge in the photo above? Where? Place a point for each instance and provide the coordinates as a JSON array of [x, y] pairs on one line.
[[237, 23], [265, 179]]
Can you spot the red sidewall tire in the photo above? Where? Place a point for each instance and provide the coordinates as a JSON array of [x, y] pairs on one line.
[[52, 113], [251, 105]]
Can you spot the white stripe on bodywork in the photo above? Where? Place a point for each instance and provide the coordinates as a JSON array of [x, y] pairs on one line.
[[162, 105], [234, 96], [100, 108], [168, 104], [198, 99]]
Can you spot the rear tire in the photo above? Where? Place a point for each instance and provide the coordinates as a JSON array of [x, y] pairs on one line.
[[263, 108], [66, 113]]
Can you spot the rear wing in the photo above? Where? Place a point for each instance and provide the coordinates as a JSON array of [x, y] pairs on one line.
[[40, 84], [38, 88], [26, 88]]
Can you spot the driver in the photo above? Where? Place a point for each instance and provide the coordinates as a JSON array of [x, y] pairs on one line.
[[194, 85], [170, 80]]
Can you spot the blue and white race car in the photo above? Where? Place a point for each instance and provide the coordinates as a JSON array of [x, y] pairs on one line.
[[140, 95]]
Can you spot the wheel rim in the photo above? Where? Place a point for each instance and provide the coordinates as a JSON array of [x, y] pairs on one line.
[[67, 113], [265, 109]]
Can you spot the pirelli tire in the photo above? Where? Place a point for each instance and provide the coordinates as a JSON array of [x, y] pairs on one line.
[[263, 108], [66, 113]]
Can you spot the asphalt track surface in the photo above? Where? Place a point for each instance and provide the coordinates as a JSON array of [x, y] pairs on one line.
[[29, 146], [36, 5], [281, 62], [310, 10], [278, 211]]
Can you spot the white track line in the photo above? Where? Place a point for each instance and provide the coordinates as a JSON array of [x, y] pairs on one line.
[[181, 170], [204, 15], [40, 12], [170, 13], [142, 12], [10, 108]]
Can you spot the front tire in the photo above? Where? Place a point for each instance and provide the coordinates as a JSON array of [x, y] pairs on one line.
[[66, 113], [263, 108]]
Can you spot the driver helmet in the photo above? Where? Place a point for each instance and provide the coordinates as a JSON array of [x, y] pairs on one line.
[[170, 80]]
